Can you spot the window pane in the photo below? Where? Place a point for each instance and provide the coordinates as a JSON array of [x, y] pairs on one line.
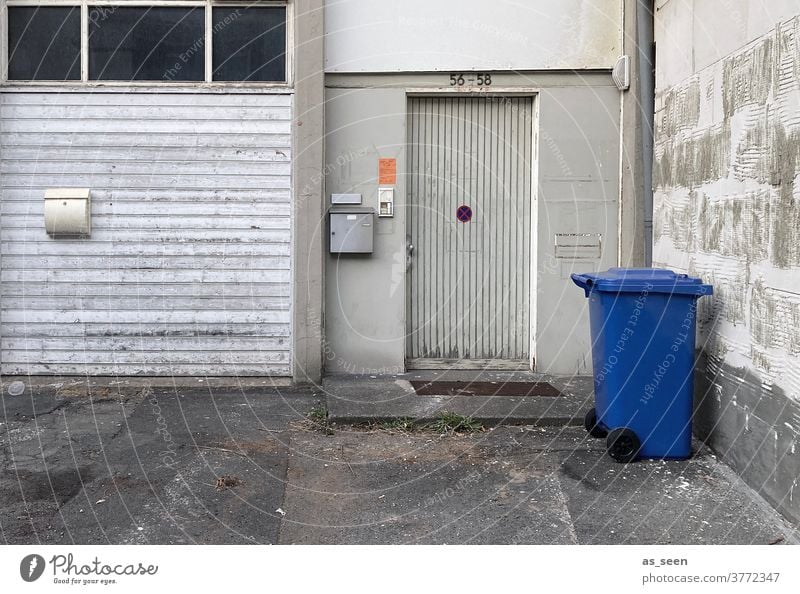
[[249, 44], [44, 43], [147, 43]]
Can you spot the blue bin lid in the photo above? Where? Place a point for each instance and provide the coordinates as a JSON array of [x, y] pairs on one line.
[[654, 280]]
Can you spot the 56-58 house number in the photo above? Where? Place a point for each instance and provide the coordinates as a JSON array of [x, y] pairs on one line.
[[480, 79]]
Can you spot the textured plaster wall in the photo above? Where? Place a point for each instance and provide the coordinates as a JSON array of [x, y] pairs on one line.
[[727, 208]]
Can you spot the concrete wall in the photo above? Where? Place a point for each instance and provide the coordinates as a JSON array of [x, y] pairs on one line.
[[423, 36], [308, 131], [577, 192], [726, 208]]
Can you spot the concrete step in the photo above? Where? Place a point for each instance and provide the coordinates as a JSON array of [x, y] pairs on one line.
[[363, 399]]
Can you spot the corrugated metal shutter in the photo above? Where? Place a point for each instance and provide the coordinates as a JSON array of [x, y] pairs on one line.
[[469, 283], [187, 270]]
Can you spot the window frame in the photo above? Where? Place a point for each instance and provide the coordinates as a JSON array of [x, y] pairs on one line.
[[208, 5]]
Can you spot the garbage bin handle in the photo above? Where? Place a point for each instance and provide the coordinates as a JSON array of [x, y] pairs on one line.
[[584, 282]]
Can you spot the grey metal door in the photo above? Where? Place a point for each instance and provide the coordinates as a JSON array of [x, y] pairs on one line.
[[470, 165]]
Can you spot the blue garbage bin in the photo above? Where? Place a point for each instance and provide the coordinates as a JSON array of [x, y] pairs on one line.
[[643, 338]]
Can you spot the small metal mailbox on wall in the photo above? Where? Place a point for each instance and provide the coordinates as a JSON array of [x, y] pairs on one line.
[[351, 229], [68, 212]]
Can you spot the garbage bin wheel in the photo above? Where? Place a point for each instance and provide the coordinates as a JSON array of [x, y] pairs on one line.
[[590, 423], [623, 445]]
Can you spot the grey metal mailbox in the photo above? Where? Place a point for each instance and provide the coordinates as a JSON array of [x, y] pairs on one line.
[[351, 229]]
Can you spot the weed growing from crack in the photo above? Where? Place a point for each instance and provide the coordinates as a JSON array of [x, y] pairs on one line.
[[448, 422], [318, 418], [405, 424]]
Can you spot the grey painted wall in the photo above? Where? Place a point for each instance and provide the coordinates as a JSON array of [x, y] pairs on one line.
[[578, 193], [425, 36], [578, 189], [365, 295], [726, 178]]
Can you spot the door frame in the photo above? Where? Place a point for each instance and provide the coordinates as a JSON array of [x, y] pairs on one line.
[[533, 93]]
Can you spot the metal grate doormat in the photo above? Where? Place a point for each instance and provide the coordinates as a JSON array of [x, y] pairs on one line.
[[435, 388]]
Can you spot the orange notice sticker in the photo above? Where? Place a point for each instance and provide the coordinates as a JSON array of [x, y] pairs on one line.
[[387, 171]]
